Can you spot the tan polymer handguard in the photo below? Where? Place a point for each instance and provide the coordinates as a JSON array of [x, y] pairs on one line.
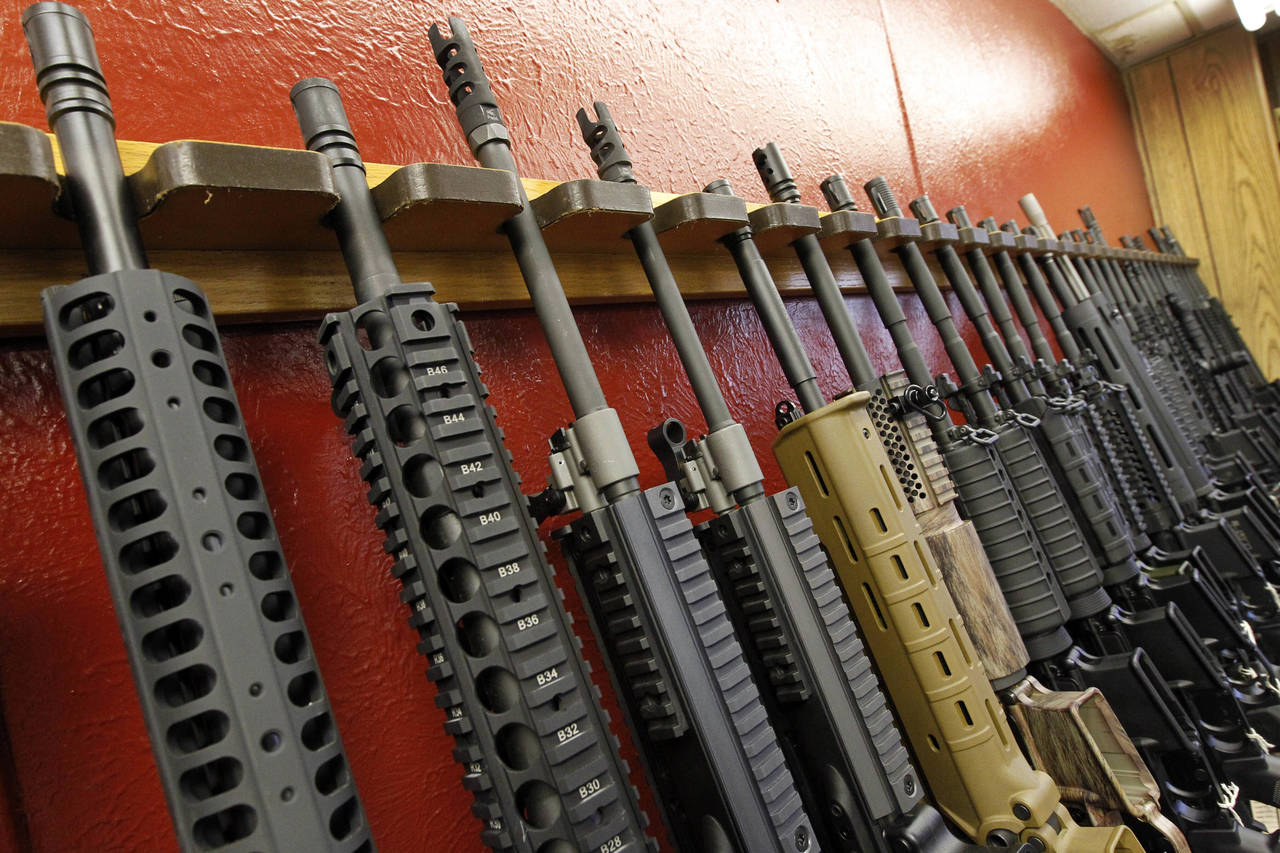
[[961, 738]]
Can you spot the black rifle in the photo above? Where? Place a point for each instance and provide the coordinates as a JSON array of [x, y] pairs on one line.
[[677, 666], [1218, 541], [1232, 356], [1139, 620], [1212, 359], [1091, 312], [526, 722], [1165, 578], [240, 725], [1231, 444], [1232, 423]]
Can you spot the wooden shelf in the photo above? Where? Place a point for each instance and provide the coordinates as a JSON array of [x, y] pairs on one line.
[[247, 224]]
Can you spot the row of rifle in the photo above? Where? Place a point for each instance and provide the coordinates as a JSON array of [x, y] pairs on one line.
[[1099, 525]]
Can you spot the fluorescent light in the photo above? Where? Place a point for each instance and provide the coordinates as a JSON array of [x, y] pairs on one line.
[[1253, 13]]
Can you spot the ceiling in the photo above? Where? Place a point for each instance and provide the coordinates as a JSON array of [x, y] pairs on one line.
[[1129, 31]]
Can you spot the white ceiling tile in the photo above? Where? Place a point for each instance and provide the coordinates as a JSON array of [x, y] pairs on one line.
[[1148, 34], [1095, 15], [1211, 13]]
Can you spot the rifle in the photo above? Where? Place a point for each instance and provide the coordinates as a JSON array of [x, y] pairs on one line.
[[1233, 356], [1227, 426], [516, 692], [1166, 733], [1236, 529], [240, 726], [1209, 359], [833, 454], [959, 544], [1218, 541], [1136, 623], [816, 679], [1231, 442], [678, 668], [1094, 319], [1165, 578]]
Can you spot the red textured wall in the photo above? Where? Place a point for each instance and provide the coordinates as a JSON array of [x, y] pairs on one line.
[[972, 107]]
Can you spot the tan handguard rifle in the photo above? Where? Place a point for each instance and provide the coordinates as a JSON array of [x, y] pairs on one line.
[[956, 727], [1085, 743]]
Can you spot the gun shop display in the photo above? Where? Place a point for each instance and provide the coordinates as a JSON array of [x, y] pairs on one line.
[[1019, 592]]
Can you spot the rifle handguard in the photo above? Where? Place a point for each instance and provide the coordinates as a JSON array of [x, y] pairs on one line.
[[535, 747], [241, 728]]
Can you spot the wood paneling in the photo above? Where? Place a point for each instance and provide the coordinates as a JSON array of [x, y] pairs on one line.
[[1233, 150], [1210, 153], [1171, 180]]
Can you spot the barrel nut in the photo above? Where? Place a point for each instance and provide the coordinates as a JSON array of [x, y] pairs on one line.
[[733, 459], [605, 448]]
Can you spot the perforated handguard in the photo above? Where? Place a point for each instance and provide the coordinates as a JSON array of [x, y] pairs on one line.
[[241, 728], [535, 746], [922, 471]]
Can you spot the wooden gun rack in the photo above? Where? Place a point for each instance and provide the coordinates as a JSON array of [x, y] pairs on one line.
[[247, 223]]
